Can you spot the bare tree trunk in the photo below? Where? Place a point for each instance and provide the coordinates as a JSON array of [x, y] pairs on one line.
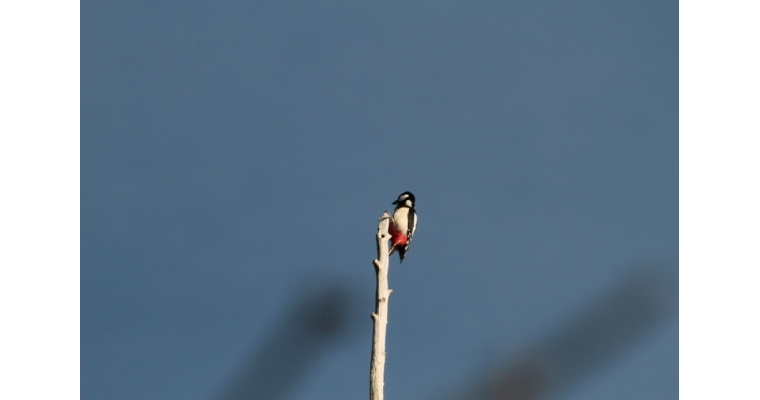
[[380, 316]]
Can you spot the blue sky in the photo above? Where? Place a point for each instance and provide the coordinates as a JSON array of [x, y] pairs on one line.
[[235, 156]]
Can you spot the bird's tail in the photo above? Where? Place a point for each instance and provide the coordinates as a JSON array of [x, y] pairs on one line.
[[401, 252]]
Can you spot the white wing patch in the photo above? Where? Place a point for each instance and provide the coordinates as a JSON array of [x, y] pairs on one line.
[[414, 228]]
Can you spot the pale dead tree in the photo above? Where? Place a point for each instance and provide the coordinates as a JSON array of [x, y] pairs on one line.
[[380, 316]]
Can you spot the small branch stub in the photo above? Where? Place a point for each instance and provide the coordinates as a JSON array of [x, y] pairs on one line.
[[380, 316]]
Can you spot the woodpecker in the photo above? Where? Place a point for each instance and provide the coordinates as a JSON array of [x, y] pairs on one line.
[[403, 224]]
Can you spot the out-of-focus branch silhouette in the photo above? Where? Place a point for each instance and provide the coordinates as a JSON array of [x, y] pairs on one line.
[[307, 330], [646, 298], [585, 344]]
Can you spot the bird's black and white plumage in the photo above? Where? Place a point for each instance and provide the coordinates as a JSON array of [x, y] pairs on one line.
[[403, 224]]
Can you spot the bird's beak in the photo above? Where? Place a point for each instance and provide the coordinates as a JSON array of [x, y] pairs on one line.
[[396, 202]]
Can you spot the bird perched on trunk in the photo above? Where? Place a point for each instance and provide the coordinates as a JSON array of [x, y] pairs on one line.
[[403, 224]]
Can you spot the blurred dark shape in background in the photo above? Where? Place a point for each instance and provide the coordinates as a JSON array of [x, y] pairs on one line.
[[587, 343], [318, 318]]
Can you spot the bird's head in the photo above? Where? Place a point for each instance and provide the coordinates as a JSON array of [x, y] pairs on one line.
[[405, 199]]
